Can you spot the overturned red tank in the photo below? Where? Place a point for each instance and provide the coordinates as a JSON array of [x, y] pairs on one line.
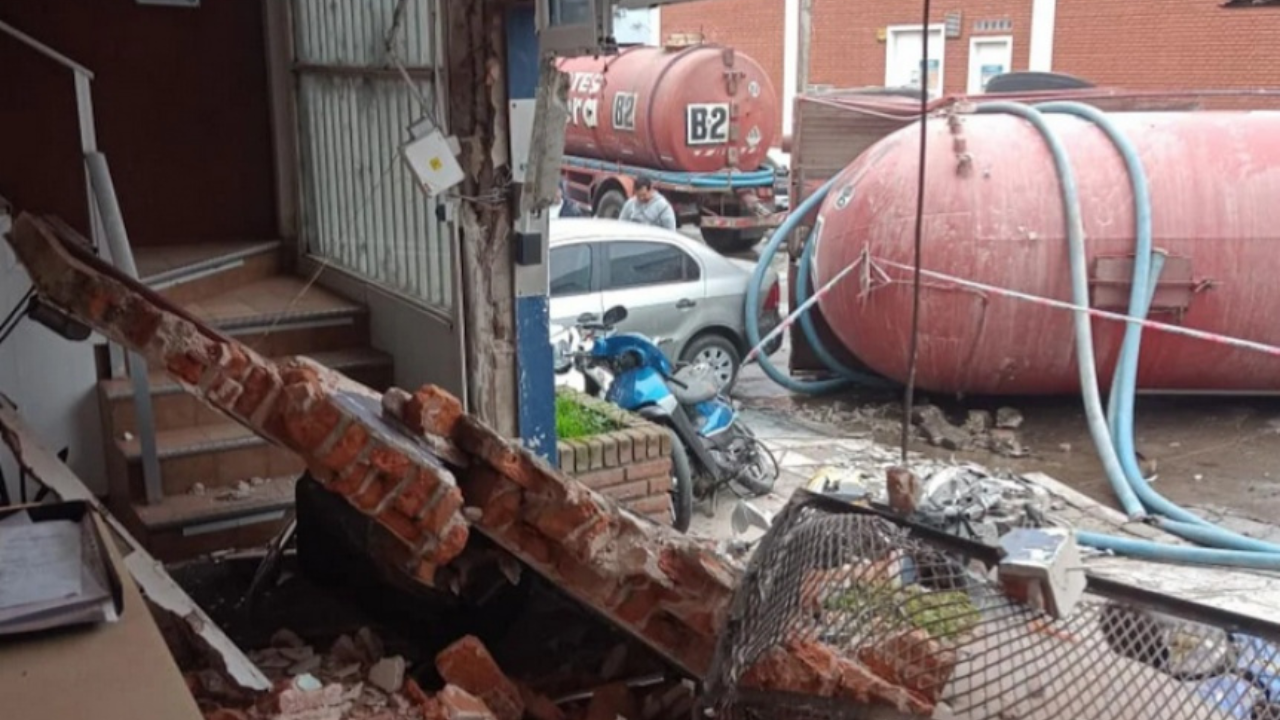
[[701, 108], [994, 214]]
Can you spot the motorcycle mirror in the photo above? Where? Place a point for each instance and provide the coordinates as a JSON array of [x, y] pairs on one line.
[[615, 315], [746, 516]]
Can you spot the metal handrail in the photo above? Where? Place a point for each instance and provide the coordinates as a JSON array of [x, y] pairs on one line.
[[101, 196], [45, 50]]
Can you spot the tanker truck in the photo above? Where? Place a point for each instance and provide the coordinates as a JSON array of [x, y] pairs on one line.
[[697, 120]]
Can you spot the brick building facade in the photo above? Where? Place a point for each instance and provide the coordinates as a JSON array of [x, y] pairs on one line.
[[1172, 44]]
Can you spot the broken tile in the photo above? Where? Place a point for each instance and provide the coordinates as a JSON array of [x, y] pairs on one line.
[[388, 673]]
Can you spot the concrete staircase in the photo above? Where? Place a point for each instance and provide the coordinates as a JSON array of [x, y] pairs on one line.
[[223, 486]]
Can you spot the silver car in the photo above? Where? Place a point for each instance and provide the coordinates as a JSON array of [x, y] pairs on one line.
[[677, 291]]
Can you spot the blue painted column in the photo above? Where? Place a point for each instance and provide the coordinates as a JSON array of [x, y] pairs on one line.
[[535, 374]]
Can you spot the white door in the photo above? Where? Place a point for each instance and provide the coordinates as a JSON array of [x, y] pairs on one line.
[[989, 56], [904, 55]]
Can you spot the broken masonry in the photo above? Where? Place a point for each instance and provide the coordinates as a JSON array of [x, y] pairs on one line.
[[416, 463]]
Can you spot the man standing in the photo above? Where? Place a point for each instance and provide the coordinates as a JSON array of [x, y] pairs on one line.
[[566, 208], [648, 207]]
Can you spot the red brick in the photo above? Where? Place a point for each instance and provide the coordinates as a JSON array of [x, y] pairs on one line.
[[468, 664], [603, 478], [533, 545], [595, 453], [351, 479], [432, 410], [625, 445], [258, 384], [650, 469], [452, 540], [186, 367], [559, 519], [414, 498], [564, 454], [388, 459], [610, 446], [639, 604], [628, 491], [309, 420], [398, 523], [445, 504], [347, 447], [454, 703]]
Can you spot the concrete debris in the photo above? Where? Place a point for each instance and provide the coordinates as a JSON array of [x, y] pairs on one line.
[[286, 638], [976, 433], [388, 674], [1009, 418]]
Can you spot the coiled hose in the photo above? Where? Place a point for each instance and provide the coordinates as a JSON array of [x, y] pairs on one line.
[[845, 377]]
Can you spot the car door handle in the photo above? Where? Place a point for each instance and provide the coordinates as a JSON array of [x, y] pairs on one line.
[[685, 304]]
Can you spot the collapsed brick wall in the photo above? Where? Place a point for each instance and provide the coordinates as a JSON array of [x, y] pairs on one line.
[[631, 465], [387, 456]]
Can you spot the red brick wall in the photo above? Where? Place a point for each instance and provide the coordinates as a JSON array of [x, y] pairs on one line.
[[846, 52], [1169, 44], [180, 101], [753, 27]]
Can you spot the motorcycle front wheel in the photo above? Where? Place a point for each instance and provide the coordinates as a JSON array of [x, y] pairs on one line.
[[681, 485]]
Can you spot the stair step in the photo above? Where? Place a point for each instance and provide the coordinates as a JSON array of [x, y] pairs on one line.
[[174, 408], [344, 361], [218, 509], [190, 272], [277, 301], [216, 456]]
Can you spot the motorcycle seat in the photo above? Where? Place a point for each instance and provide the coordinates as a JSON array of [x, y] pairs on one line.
[[694, 384]]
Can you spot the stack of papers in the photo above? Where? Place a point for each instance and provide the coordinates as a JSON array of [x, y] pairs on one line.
[[51, 574]]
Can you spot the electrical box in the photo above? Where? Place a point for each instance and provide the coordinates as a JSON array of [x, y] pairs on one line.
[[431, 158]]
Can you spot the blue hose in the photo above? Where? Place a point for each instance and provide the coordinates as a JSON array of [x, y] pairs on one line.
[[1146, 272], [1160, 552], [1080, 296], [809, 387], [747, 179], [811, 331]]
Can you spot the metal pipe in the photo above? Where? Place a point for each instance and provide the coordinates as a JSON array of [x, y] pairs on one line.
[[104, 193]]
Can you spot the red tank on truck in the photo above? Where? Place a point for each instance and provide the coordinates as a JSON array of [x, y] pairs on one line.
[[698, 121]]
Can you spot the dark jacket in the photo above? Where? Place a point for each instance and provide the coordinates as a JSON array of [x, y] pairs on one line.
[[568, 208]]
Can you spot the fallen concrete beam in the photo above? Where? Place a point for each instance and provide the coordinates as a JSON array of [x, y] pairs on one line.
[[333, 423], [383, 455]]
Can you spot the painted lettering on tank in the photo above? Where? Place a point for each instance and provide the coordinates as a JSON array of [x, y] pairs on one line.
[[706, 123], [624, 111], [584, 98]]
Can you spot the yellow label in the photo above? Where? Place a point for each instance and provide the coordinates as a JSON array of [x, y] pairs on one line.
[[436, 164]]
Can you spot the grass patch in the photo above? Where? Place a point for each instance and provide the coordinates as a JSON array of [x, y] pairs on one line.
[[575, 420]]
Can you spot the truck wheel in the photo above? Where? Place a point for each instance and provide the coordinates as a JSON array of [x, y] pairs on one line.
[[729, 241], [610, 203]]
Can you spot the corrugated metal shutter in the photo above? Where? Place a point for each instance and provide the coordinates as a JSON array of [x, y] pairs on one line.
[[362, 209]]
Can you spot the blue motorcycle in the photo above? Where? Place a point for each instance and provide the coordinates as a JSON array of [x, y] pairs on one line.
[[710, 448]]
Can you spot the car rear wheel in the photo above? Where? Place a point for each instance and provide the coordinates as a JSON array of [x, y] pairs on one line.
[[720, 353], [610, 203]]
